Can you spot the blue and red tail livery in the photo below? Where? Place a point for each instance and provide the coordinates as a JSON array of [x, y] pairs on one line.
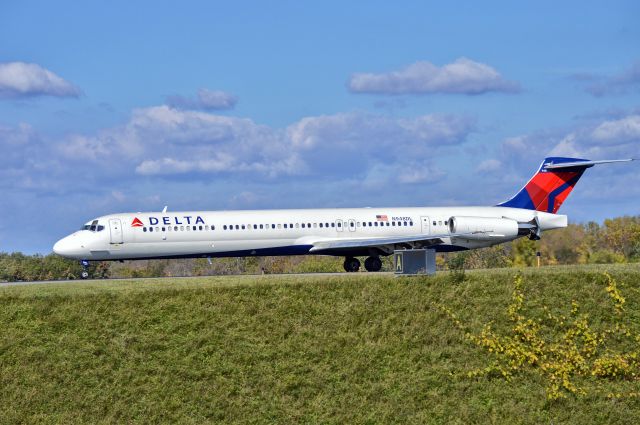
[[550, 186]]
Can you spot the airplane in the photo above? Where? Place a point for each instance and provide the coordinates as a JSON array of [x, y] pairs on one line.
[[346, 232]]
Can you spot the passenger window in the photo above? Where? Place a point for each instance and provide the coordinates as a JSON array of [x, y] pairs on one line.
[[213, 227], [151, 229], [333, 224], [237, 227], [434, 223], [243, 228], [411, 223], [303, 225], [376, 224], [255, 227], [393, 223], [144, 229]]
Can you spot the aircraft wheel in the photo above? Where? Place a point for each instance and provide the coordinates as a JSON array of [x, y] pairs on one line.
[[85, 269], [373, 264], [351, 264]]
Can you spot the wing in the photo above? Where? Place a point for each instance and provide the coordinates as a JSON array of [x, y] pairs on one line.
[[384, 243]]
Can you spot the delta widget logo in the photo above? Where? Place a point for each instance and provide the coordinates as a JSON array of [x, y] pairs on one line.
[[136, 222]]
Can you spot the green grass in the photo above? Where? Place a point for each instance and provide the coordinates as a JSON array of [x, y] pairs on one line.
[[266, 349]]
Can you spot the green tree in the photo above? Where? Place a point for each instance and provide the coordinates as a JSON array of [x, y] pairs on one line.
[[523, 252]]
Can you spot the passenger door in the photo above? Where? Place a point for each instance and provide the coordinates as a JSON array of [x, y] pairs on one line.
[[115, 227], [426, 225]]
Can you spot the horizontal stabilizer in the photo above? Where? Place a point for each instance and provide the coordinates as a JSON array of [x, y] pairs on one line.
[[585, 164]]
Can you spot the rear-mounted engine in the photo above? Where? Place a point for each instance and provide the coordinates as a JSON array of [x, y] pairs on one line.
[[484, 228]]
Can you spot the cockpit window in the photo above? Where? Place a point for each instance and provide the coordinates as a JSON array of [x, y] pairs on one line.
[[93, 227]]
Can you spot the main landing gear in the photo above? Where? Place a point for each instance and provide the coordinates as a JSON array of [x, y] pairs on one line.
[[85, 269], [351, 264], [372, 264]]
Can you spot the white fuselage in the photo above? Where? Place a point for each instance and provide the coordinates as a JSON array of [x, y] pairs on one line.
[[275, 232]]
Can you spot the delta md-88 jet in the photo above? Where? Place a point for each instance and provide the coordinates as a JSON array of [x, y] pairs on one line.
[[345, 232]]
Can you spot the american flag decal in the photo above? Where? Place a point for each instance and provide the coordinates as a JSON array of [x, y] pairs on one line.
[[382, 218]]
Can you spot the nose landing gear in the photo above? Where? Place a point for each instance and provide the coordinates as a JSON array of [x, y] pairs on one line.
[[85, 269]]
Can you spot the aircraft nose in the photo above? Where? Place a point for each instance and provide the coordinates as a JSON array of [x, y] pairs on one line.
[[67, 247], [61, 247]]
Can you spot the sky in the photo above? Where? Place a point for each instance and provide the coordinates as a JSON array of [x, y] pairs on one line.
[[123, 106]]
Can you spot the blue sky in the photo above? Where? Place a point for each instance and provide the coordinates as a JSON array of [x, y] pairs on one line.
[[129, 106]]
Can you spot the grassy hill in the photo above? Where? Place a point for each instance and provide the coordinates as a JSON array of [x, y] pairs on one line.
[[345, 349]]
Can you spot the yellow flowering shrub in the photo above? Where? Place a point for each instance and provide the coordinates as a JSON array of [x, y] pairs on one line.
[[560, 350]]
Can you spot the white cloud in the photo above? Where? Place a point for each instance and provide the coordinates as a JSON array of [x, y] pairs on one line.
[[617, 138], [352, 143], [118, 196], [621, 83], [414, 173], [489, 166], [463, 76], [22, 135], [162, 150], [164, 141], [19, 79], [623, 130], [207, 100]]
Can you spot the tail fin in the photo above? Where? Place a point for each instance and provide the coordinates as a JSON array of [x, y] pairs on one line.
[[551, 185]]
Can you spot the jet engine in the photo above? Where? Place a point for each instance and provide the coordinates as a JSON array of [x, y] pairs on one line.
[[484, 228]]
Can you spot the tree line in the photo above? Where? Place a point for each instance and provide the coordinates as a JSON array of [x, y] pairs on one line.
[[616, 240]]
